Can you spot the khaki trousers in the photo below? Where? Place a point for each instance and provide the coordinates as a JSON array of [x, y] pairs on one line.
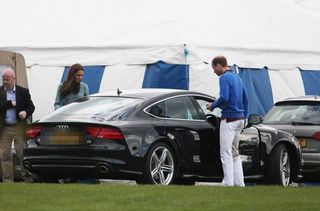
[[12, 133]]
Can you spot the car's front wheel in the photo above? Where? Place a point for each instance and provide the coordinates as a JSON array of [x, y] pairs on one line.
[[160, 165], [279, 166]]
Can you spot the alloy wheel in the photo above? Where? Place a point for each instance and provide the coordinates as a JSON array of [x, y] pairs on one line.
[[285, 167], [162, 166]]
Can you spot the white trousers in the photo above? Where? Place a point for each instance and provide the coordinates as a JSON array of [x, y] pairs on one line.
[[229, 152]]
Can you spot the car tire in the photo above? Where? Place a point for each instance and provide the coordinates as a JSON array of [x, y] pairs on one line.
[[279, 166], [160, 166]]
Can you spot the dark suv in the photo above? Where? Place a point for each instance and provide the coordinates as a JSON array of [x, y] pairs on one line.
[[301, 117]]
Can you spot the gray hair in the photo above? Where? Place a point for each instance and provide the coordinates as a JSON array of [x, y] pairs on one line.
[[8, 71]]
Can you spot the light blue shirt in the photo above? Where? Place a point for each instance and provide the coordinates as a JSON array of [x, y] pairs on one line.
[[11, 112]]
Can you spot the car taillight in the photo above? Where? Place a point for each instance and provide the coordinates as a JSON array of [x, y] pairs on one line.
[[33, 131], [316, 136], [104, 132]]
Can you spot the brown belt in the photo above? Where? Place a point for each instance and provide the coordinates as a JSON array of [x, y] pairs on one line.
[[231, 119]]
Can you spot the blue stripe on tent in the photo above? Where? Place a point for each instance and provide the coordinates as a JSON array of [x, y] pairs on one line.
[[92, 77], [258, 86], [311, 81], [163, 75]]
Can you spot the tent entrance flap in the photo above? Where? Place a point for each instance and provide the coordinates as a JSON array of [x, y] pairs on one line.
[[17, 63]]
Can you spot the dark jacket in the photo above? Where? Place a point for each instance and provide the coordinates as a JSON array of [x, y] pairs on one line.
[[23, 103]]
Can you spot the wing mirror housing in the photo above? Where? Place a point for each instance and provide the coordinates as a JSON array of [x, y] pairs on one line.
[[254, 119]]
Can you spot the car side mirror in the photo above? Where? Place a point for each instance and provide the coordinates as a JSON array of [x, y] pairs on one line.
[[254, 119]]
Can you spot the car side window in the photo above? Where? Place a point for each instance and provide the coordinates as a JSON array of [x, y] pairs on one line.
[[157, 109], [203, 104], [180, 108]]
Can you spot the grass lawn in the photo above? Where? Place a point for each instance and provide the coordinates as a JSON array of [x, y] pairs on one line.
[[33, 197]]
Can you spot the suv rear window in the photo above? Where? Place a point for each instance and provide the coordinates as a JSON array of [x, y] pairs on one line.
[[302, 114]]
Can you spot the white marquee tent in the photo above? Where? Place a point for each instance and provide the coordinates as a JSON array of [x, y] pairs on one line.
[[125, 36]]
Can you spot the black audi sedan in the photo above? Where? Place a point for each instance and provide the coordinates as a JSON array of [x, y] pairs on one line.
[[153, 136]]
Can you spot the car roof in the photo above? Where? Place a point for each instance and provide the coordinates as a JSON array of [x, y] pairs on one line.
[[148, 93], [305, 98]]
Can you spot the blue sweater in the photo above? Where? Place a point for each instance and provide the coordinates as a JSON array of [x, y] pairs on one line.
[[233, 98]]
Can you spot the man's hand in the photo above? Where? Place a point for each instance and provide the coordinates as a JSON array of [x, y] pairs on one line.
[[209, 107], [22, 114], [14, 103]]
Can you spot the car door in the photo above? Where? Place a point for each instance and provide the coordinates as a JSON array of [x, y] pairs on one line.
[[249, 144], [188, 125], [210, 146]]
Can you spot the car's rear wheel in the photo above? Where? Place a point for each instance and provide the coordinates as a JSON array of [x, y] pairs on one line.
[[160, 165], [279, 166]]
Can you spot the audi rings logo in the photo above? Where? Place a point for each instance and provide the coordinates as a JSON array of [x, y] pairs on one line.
[[62, 126]]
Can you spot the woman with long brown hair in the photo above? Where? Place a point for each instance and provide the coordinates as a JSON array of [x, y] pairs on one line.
[[72, 88]]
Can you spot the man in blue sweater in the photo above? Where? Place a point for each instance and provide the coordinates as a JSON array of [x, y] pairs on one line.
[[233, 101]]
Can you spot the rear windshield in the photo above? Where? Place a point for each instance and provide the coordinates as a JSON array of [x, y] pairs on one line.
[[102, 106], [293, 114]]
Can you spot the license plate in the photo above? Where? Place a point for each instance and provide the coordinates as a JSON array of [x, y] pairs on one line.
[[63, 138], [302, 142]]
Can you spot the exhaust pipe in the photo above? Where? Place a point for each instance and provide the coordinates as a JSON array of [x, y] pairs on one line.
[[103, 169]]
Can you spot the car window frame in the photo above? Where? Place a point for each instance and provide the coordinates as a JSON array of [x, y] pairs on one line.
[[190, 96]]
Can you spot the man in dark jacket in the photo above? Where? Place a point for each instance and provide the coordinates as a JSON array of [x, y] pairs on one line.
[[15, 107]]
